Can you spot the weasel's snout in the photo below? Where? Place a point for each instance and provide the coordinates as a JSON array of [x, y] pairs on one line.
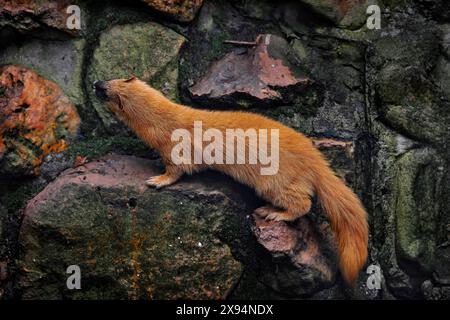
[[100, 89]]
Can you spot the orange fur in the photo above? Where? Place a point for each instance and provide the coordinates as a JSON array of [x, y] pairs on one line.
[[302, 168]]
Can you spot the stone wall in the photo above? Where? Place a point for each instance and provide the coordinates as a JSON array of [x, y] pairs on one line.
[[375, 102]]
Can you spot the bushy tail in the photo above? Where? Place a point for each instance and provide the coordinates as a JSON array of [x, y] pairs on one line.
[[348, 221]]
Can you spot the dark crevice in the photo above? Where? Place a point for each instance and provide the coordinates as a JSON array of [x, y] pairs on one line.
[[132, 202]]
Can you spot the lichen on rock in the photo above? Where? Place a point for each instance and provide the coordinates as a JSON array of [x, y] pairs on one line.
[[129, 241], [36, 119]]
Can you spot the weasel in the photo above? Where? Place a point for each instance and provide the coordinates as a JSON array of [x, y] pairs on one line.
[[303, 171]]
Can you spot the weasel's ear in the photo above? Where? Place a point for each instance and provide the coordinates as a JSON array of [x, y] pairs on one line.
[[120, 103], [132, 77]]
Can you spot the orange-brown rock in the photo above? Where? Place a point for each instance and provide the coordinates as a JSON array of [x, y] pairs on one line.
[[28, 15], [263, 75], [181, 10], [36, 118], [296, 249]]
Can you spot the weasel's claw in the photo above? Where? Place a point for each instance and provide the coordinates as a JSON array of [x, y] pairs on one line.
[[154, 183], [275, 216], [160, 181]]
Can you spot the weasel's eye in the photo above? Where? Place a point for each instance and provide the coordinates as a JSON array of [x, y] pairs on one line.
[[130, 79]]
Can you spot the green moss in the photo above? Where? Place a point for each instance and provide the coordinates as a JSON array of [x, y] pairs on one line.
[[300, 49], [415, 187], [166, 246], [15, 197], [218, 48], [96, 147]]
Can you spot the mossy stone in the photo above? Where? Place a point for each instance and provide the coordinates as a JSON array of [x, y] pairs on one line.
[[146, 50]]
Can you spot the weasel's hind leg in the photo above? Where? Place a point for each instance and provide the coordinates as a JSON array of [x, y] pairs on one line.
[[296, 207], [271, 213]]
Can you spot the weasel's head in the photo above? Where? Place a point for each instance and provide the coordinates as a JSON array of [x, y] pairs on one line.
[[129, 99], [118, 94]]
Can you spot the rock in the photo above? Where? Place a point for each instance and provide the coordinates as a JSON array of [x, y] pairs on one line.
[[442, 69], [262, 75], [29, 15], [431, 292], [333, 293], [441, 272], [410, 127], [408, 212], [400, 284], [3, 250], [3, 213], [3, 277], [217, 21], [7, 249], [58, 61], [262, 10], [36, 119], [338, 69], [395, 45], [418, 183], [445, 41], [405, 97], [182, 10], [129, 241], [443, 75], [341, 156], [3, 220], [438, 10], [348, 14], [417, 110], [303, 264], [147, 50], [190, 240]]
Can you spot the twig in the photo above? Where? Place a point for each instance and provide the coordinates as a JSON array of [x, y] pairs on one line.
[[240, 43]]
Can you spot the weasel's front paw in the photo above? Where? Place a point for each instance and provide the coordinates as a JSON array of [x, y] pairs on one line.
[[159, 181]]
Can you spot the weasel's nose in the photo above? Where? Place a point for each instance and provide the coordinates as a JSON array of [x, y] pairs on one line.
[[99, 85], [100, 89]]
